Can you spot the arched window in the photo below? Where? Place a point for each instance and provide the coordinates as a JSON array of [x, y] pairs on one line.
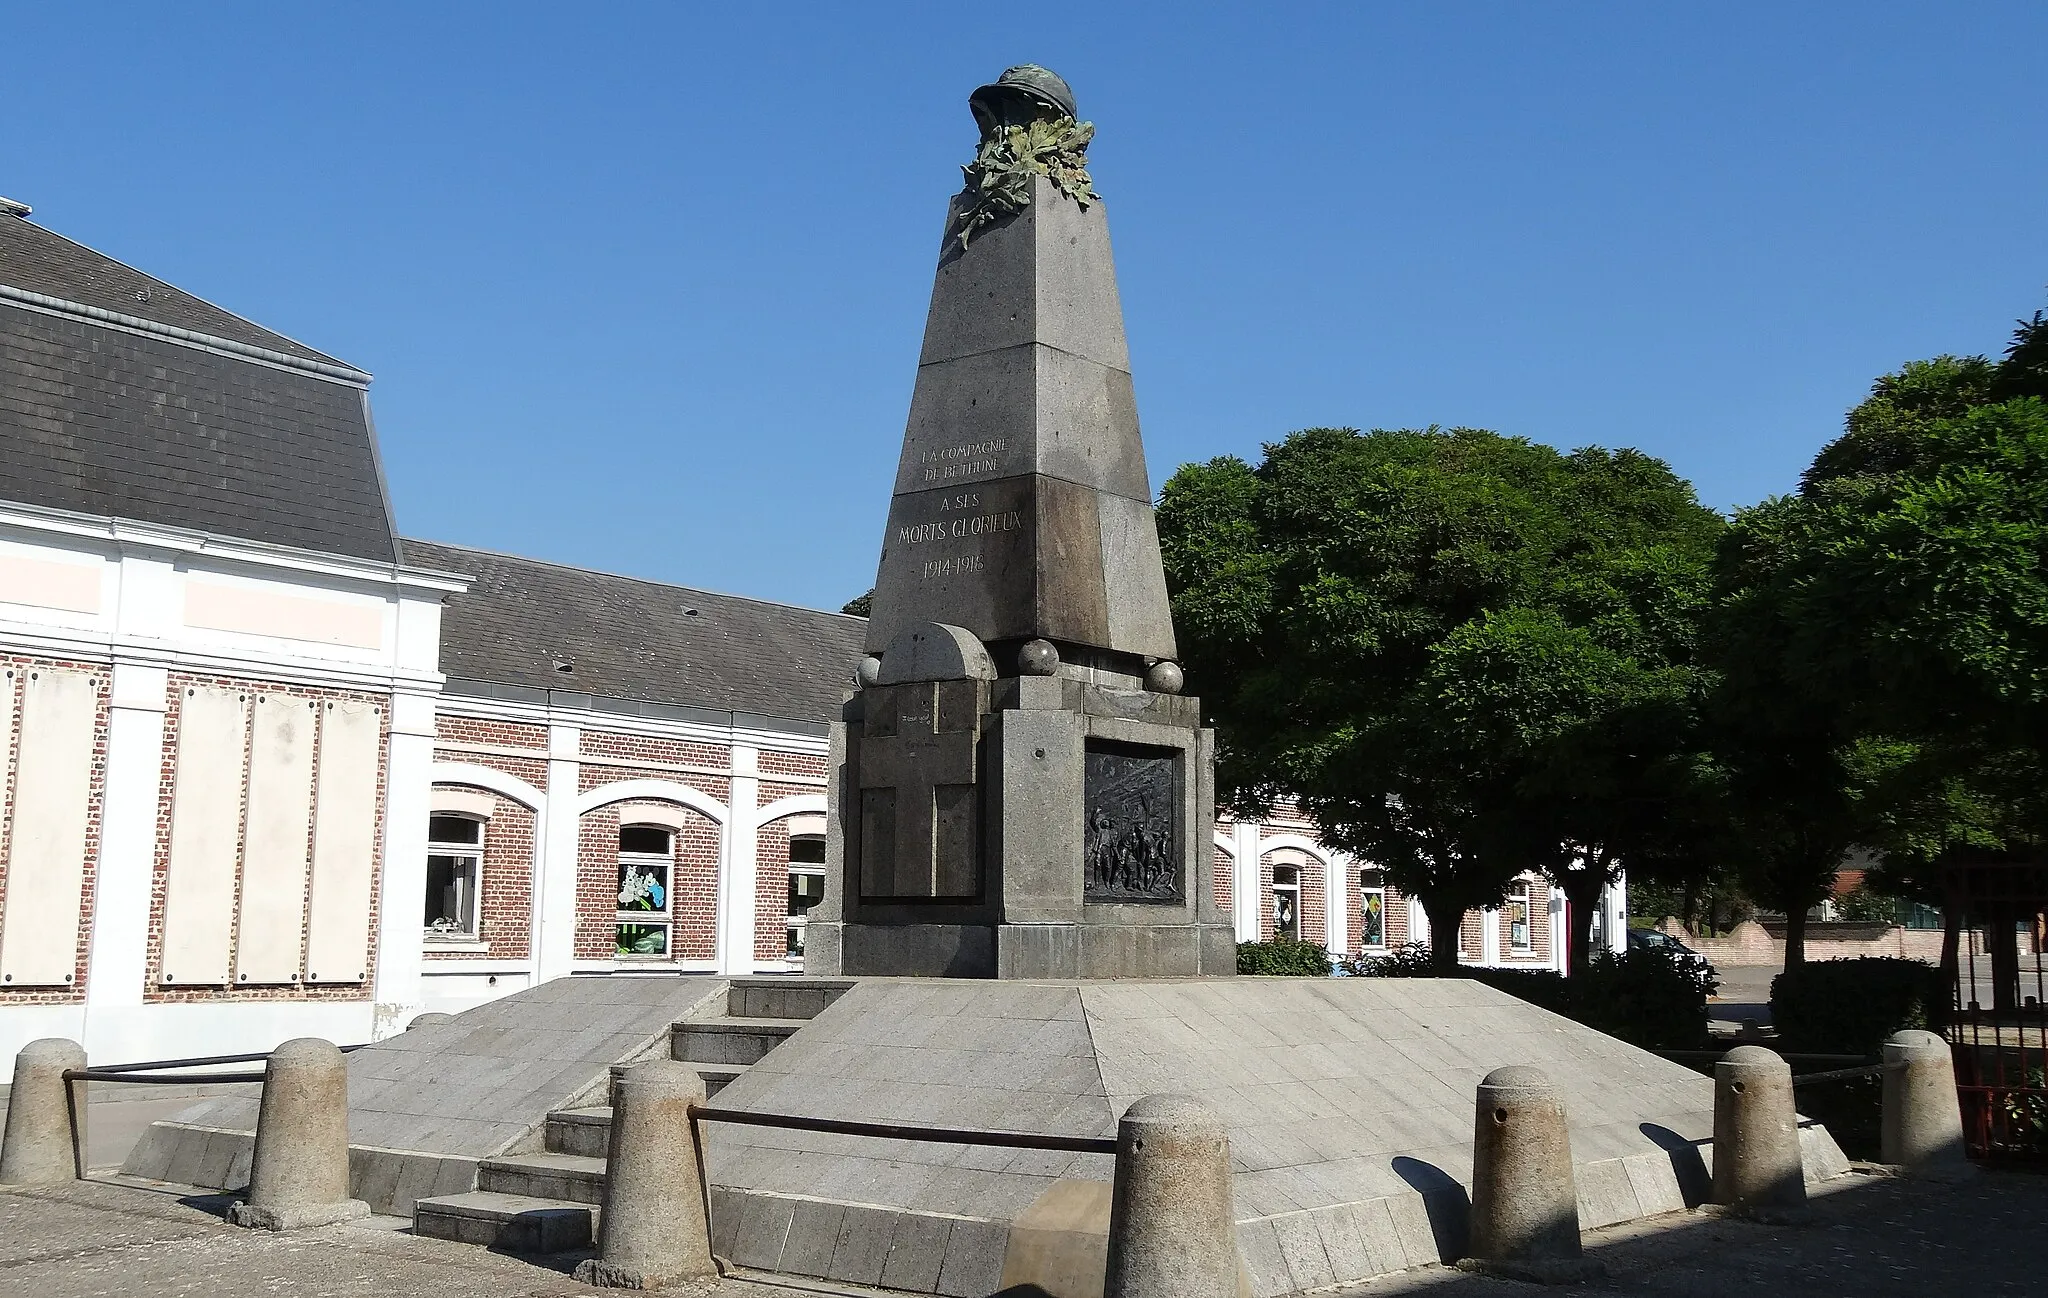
[[1519, 936], [1286, 903], [455, 867], [646, 902], [806, 886], [1372, 894]]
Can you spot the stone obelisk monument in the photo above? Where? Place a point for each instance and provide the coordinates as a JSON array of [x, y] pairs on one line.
[[1019, 789]]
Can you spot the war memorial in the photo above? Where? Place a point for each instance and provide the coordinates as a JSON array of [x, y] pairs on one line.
[[1018, 934]]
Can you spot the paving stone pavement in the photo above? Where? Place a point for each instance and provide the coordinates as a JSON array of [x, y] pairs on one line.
[[1869, 1236], [96, 1239]]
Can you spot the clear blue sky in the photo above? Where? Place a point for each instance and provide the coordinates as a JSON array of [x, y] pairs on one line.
[[643, 285]]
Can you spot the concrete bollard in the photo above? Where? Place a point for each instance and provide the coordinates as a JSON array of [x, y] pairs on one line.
[[654, 1230], [45, 1138], [1525, 1201], [299, 1176], [431, 1018], [1757, 1163], [1923, 1116], [1172, 1215]]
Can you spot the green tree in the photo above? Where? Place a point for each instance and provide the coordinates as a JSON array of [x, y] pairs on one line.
[[1466, 655], [1885, 631]]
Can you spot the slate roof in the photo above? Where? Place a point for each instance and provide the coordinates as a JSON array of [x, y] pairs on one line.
[[43, 261], [106, 420], [626, 638]]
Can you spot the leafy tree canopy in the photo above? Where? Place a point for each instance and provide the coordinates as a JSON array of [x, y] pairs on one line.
[[1466, 654], [1883, 633]]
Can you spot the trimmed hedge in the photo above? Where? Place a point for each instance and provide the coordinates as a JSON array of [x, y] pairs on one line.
[[1848, 1007], [1646, 996], [1284, 959]]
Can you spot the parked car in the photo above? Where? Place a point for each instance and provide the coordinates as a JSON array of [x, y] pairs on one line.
[[1650, 939]]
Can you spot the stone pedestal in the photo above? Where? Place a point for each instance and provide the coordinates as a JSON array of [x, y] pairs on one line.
[[1019, 827]]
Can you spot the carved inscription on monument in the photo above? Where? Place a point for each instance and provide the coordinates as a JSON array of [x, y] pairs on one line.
[[1131, 841], [963, 520], [967, 460]]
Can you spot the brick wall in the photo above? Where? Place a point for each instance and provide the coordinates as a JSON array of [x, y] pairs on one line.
[[591, 777], [1225, 881], [10, 708], [155, 991], [501, 734], [648, 748], [771, 891], [533, 770], [778, 763]]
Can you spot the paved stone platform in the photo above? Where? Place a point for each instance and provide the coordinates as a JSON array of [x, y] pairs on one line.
[[427, 1106], [1872, 1237], [1349, 1104]]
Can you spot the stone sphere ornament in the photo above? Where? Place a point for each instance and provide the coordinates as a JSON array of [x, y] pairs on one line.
[[1164, 677], [867, 671], [1037, 658]]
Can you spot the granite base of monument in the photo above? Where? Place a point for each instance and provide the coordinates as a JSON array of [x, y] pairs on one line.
[[1349, 1104], [1017, 826]]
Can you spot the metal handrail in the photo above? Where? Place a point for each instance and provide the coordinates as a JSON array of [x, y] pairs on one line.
[[897, 1131], [1839, 1074], [156, 1079], [1675, 1055], [127, 1072]]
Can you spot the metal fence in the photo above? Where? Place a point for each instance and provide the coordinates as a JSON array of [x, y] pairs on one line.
[[2001, 1054]]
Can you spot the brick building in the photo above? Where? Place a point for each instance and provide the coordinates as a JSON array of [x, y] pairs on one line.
[[272, 770]]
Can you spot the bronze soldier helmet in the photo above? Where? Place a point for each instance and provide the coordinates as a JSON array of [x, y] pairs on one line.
[[1020, 96]]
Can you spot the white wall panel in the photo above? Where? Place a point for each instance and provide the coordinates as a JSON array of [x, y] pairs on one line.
[[344, 844], [260, 610], [46, 847], [206, 834], [41, 583], [274, 852]]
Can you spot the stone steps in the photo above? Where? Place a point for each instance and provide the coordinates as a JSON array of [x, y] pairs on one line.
[[547, 1202], [718, 1076], [579, 1131], [572, 1178], [510, 1223], [729, 1040]]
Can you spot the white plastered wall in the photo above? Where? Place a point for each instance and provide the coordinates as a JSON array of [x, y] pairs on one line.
[[136, 603]]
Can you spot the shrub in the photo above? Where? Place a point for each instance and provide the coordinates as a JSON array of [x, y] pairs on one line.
[[1848, 1007], [1542, 987], [1284, 959], [1410, 960], [1648, 997]]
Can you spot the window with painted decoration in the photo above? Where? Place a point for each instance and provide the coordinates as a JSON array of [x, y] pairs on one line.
[[1518, 916], [646, 904], [1372, 893], [806, 886], [1286, 904], [455, 865]]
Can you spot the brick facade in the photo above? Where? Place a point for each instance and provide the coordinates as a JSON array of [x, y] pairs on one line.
[[498, 734]]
